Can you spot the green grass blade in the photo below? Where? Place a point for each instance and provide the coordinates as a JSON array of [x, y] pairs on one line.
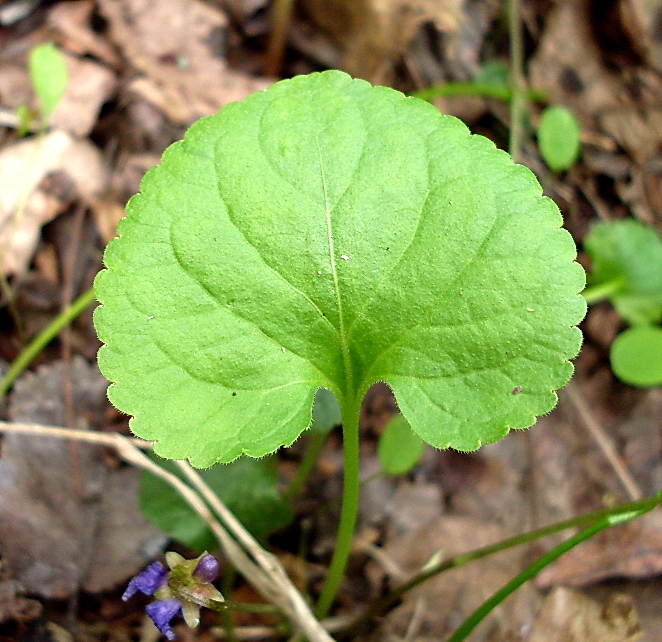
[[531, 571], [35, 346]]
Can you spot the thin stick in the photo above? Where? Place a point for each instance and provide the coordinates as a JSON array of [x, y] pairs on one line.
[[268, 562], [281, 17], [246, 633], [89, 436], [231, 522], [517, 103], [268, 578], [606, 445]]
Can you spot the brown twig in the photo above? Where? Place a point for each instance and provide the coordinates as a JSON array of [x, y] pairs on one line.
[[68, 270], [606, 445], [262, 569], [268, 562], [281, 17]]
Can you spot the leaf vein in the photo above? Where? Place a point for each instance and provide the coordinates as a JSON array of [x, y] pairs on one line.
[[452, 283]]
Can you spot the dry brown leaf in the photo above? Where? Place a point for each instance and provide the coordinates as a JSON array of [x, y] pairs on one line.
[[447, 599], [571, 616], [413, 505], [631, 550], [641, 192], [88, 88], [569, 64], [13, 606], [129, 172], [179, 47], [108, 212], [13, 12], [374, 33], [642, 440], [489, 485], [67, 519], [15, 86], [642, 19], [242, 10], [572, 477], [72, 19], [24, 205]]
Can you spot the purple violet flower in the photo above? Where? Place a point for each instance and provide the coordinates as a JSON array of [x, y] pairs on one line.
[[161, 612], [181, 590], [148, 581]]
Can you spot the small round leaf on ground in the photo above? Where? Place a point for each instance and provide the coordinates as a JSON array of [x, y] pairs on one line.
[[636, 356], [558, 138]]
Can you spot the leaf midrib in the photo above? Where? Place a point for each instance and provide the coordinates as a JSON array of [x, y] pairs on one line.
[[344, 345]]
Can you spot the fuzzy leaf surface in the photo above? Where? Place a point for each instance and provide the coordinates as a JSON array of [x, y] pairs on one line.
[[328, 233]]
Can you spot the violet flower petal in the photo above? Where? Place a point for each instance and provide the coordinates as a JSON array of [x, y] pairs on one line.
[[161, 612], [207, 569], [148, 581]]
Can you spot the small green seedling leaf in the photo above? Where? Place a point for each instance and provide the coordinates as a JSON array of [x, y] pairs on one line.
[[328, 233], [25, 119], [636, 356], [326, 411], [493, 72], [626, 258], [247, 486], [49, 75], [558, 138], [400, 448]]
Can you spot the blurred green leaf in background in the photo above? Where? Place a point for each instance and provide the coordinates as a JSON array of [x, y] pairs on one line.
[[558, 138], [636, 356], [400, 448], [49, 76], [247, 486]]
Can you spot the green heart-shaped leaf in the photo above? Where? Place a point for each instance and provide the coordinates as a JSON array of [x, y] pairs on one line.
[[327, 233]]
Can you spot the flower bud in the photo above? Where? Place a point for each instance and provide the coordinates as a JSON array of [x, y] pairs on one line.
[[207, 568]]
